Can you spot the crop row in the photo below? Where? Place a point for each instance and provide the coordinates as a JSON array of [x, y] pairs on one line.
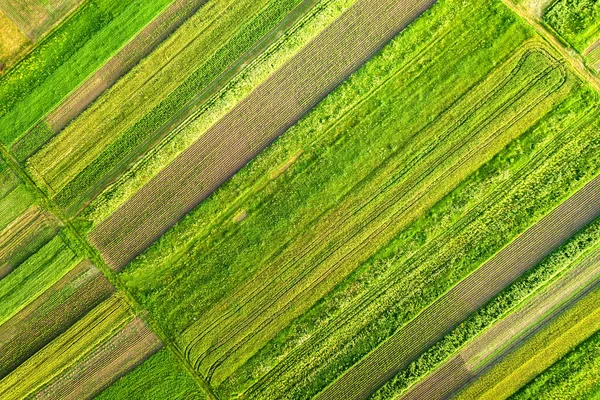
[[311, 345], [127, 348], [194, 168], [198, 120], [571, 256], [574, 376], [136, 139], [94, 328], [434, 271], [106, 76], [50, 315], [35, 275], [329, 165], [540, 351], [134, 96], [23, 237], [35, 85], [379, 210]]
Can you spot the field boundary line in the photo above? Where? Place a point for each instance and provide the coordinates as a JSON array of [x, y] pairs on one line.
[[568, 54], [98, 261]]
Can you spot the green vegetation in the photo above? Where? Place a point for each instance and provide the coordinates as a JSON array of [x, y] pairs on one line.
[[159, 377], [539, 352], [63, 60], [506, 302], [331, 180], [32, 141], [191, 64], [94, 328], [578, 21], [50, 315], [15, 198], [35, 275], [215, 107], [575, 376]]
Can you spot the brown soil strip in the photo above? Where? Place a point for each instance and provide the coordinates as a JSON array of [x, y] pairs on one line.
[[468, 296], [23, 237], [139, 47], [528, 320], [252, 125], [440, 385], [51, 314], [112, 359]]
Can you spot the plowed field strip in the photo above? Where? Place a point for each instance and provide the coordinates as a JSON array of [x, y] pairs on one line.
[[522, 254], [440, 385], [139, 47], [527, 320], [326, 274], [252, 126], [126, 349], [50, 315]]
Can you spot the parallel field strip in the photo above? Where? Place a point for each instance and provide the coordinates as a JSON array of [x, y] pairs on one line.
[[139, 47], [387, 285], [129, 347], [545, 302], [51, 314], [378, 213], [441, 384], [250, 289], [182, 177], [479, 287], [24, 236], [527, 320], [162, 132], [546, 321], [94, 328], [320, 136]]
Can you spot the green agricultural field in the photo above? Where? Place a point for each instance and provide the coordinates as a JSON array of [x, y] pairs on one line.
[[578, 21], [64, 59], [299, 199], [159, 377]]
